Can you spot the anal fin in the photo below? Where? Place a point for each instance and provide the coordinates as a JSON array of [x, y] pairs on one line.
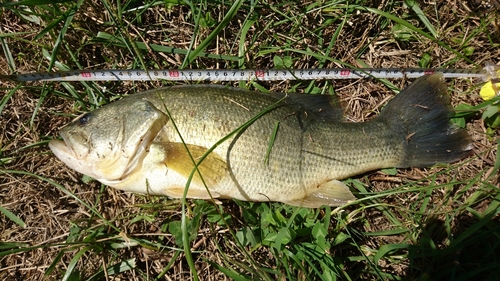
[[330, 193]]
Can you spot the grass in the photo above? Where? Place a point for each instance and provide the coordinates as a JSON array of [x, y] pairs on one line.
[[408, 224]]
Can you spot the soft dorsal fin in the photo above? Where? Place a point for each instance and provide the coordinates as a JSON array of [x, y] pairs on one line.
[[325, 107], [330, 193], [212, 168]]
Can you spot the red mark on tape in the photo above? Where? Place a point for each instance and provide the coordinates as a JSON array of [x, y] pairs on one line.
[[86, 74], [345, 72], [260, 73], [173, 73], [428, 71]]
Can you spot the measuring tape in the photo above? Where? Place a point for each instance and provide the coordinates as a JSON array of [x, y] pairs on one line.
[[242, 75], [490, 74]]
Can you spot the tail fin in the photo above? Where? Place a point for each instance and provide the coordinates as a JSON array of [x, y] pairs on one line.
[[421, 115]]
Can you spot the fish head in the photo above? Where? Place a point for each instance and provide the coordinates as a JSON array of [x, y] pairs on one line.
[[110, 142]]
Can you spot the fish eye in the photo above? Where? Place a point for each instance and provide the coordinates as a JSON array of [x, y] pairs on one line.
[[84, 119]]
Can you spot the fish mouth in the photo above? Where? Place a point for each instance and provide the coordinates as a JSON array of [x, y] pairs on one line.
[[76, 157], [67, 155], [60, 147]]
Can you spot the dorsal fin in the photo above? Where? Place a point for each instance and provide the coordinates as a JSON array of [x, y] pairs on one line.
[[325, 107]]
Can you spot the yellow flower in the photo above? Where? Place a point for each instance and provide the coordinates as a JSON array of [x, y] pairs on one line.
[[490, 90]]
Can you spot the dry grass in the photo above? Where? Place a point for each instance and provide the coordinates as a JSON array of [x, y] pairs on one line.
[[433, 206]]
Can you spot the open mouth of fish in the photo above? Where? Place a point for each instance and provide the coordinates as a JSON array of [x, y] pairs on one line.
[[65, 153], [69, 154]]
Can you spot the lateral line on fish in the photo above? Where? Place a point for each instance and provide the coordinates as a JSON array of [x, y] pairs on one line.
[[326, 157]]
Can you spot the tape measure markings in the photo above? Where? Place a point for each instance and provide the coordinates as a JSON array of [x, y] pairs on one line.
[[242, 75]]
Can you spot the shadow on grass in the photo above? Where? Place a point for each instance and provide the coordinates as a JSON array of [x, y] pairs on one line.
[[471, 250]]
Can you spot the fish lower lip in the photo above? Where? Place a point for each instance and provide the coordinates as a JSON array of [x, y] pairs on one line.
[[60, 146]]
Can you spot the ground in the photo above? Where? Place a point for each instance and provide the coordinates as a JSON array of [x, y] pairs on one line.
[[409, 224]]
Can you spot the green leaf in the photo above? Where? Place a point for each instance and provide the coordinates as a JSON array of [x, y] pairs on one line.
[[282, 238], [340, 238], [490, 111], [208, 21], [278, 62], [87, 179], [425, 61], [390, 171], [468, 51], [402, 32], [246, 236], [287, 61], [143, 217], [319, 231]]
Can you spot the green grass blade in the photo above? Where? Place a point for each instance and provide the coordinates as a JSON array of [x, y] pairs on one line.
[[213, 35], [385, 249], [64, 190], [271, 142], [115, 269], [8, 54], [11, 245], [8, 95], [229, 272], [70, 273], [475, 227], [67, 18], [12, 216], [416, 8], [413, 28], [113, 40], [33, 3]]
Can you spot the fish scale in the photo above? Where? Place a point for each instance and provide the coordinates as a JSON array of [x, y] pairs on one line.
[[351, 148]]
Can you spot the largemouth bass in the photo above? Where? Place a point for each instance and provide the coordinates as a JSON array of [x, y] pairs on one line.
[[252, 146]]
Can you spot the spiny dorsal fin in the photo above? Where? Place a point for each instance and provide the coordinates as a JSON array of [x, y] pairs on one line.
[[212, 169], [330, 193]]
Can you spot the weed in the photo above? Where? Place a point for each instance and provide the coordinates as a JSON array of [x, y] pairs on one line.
[[424, 224]]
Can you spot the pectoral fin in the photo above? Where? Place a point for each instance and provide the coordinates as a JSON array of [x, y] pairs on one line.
[[330, 193], [212, 168]]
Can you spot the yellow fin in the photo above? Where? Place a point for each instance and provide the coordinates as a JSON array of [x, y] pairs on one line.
[[212, 169], [194, 193], [330, 193]]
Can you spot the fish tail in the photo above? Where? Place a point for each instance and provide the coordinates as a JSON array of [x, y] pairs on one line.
[[420, 115]]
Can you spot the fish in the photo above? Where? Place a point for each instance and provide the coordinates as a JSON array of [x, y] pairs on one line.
[[229, 143]]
